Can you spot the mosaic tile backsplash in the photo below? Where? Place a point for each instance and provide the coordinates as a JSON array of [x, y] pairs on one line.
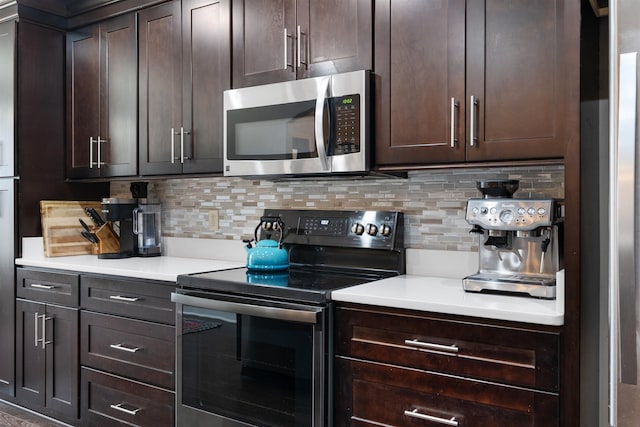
[[433, 201]]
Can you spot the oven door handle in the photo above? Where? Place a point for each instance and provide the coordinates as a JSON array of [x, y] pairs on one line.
[[305, 315]]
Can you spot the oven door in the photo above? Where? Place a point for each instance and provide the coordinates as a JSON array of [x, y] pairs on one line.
[[243, 361]]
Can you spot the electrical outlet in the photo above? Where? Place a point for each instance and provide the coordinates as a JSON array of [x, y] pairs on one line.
[[214, 223]]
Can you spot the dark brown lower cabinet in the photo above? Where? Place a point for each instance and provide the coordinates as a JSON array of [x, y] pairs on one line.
[[47, 359], [112, 400], [127, 352], [406, 368]]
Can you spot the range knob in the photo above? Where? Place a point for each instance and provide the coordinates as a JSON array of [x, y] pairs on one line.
[[385, 230], [357, 228], [372, 229]]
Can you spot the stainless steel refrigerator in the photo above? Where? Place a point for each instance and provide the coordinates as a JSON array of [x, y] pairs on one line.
[[8, 185], [623, 394]]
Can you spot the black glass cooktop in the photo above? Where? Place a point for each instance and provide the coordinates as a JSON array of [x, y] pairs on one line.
[[295, 284]]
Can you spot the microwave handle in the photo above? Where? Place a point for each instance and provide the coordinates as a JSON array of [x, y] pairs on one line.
[[319, 130]]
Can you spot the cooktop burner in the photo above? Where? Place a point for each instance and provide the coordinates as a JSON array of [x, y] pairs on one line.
[[296, 284]]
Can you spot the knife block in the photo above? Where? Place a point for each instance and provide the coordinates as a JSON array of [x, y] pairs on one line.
[[108, 240]]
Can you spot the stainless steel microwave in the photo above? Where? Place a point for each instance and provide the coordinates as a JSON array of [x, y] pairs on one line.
[[312, 126]]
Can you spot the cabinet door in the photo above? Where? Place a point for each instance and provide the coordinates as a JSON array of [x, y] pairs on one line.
[[83, 106], [30, 357], [206, 75], [517, 65], [7, 285], [60, 330], [262, 53], [7, 97], [419, 61], [118, 96], [47, 358], [336, 36], [160, 89]]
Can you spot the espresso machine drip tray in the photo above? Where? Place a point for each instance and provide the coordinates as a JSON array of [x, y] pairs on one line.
[[535, 286]]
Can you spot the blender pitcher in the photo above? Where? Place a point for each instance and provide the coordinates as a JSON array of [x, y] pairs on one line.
[[146, 225]]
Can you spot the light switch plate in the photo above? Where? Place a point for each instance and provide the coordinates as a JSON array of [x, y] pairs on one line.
[[214, 220]]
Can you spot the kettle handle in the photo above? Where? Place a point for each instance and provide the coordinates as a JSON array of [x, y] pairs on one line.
[[278, 221]]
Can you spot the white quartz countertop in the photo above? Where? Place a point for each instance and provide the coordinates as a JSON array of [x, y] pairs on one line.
[[433, 282], [164, 268], [445, 295]]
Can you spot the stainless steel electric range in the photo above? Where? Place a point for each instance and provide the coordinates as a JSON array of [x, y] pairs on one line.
[[254, 348]]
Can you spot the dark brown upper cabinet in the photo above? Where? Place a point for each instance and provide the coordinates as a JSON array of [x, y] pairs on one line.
[[472, 80], [102, 99], [280, 40], [184, 69]]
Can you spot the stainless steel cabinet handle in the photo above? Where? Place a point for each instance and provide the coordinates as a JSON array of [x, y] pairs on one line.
[[100, 141], [300, 61], [173, 148], [121, 298], [123, 348], [472, 118], [35, 332], [286, 63], [118, 407], [44, 330], [40, 286], [91, 162], [182, 134], [98, 144], [454, 105], [432, 346], [416, 414]]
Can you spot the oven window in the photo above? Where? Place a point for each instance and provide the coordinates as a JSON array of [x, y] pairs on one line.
[[275, 132], [252, 369]]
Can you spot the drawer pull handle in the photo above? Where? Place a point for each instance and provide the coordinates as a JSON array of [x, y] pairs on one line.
[[123, 348], [119, 407], [432, 346], [40, 286], [416, 414], [127, 299]]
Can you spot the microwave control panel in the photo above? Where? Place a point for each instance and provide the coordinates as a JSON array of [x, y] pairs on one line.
[[346, 126]]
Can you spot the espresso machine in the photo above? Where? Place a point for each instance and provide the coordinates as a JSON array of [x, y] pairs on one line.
[[520, 241]]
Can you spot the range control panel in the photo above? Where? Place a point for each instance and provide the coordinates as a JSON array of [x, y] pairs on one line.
[[513, 214], [366, 229]]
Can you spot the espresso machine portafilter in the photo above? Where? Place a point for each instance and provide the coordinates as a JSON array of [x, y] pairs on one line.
[[520, 241]]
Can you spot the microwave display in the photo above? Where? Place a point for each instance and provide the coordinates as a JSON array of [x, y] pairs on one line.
[[346, 130]]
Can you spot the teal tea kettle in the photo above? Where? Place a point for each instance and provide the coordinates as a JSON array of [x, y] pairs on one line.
[[267, 254]]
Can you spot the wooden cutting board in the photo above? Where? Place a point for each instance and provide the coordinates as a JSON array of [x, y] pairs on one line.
[[61, 228]]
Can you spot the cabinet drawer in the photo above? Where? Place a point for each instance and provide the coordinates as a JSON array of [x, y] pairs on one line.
[[375, 394], [516, 356], [135, 349], [48, 286], [144, 300], [110, 400]]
